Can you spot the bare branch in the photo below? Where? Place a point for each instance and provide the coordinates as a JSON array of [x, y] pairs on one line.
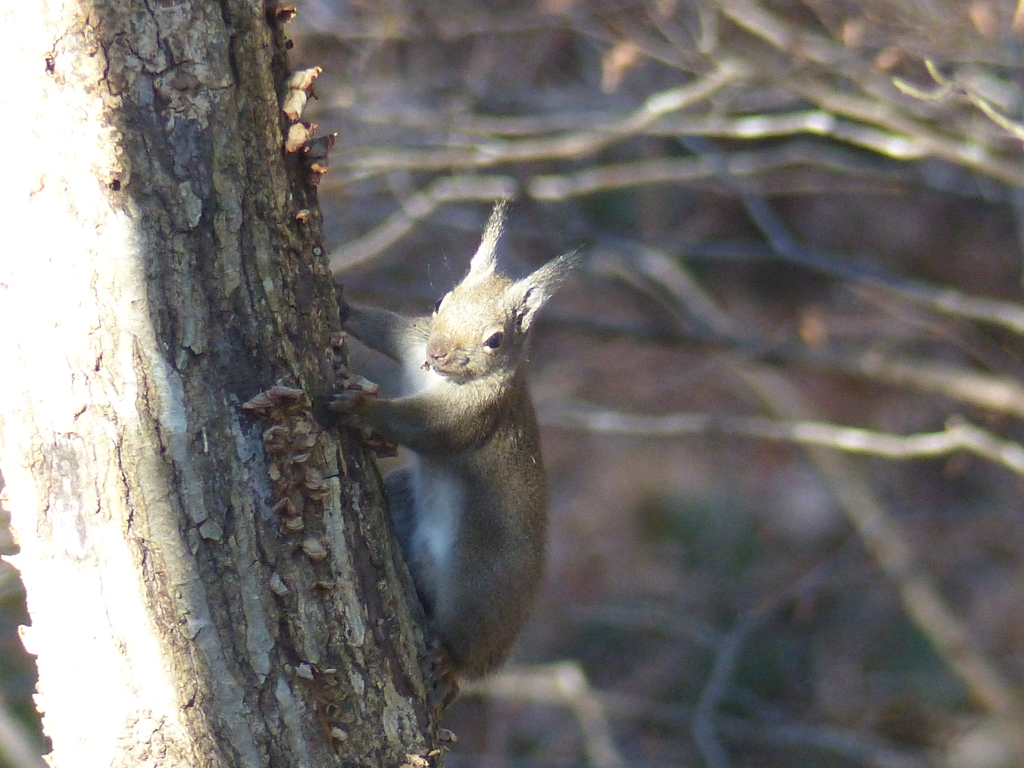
[[678, 171], [572, 145], [958, 435], [947, 88], [907, 138], [418, 206], [564, 684], [703, 724], [888, 543], [995, 393], [945, 300], [992, 392]]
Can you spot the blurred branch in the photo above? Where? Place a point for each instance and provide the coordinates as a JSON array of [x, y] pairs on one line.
[[601, 178], [628, 261], [799, 43], [859, 748], [995, 393], [564, 684], [418, 206], [703, 725], [836, 741], [992, 392], [908, 139], [958, 435], [482, 155], [889, 545], [774, 727], [945, 300], [947, 88]]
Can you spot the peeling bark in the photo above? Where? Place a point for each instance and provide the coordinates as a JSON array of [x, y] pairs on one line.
[[174, 270]]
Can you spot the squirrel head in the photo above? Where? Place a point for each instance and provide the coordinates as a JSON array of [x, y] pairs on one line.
[[481, 327]]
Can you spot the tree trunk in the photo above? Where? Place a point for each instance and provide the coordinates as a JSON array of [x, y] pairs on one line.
[[209, 585]]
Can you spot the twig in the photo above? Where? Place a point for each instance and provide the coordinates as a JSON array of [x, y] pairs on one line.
[[947, 88], [481, 155], [799, 43], [989, 391], [419, 206], [626, 257], [563, 684], [908, 139], [703, 724], [676, 171], [958, 435], [945, 300], [705, 712], [889, 545], [984, 390]]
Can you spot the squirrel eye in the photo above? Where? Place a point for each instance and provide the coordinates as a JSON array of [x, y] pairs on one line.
[[494, 340], [437, 305]]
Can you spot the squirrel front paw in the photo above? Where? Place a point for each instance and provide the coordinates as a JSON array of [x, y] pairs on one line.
[[345, 406]]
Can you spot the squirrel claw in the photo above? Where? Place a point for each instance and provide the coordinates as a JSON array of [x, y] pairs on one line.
[[444, 687], [345, 401], [344, 405]]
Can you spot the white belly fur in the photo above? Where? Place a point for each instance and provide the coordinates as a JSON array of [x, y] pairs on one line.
[[439, 496]]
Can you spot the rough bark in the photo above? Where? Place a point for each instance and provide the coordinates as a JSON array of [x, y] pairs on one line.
[[182, 613]]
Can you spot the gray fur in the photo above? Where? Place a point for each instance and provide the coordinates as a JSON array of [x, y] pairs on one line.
[[470, 510]]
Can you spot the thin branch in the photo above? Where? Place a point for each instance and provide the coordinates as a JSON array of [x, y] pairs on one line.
[[985, 390], [958, 435], [889, 545], [947, 88], [563, 684], [775, 726], [418, 206], [907, 138], [835, 741], [990, 391], [798, 43], [703, 723], [945, 300], [482, 155], [685, 170], [995, 393]]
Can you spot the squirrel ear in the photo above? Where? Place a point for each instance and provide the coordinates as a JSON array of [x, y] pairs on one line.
[[533, 291], [486, 257]]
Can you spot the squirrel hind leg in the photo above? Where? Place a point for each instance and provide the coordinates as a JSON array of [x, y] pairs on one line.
[[398, 487]]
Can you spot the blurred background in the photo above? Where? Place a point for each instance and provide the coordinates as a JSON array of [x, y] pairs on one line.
[[782, 398]]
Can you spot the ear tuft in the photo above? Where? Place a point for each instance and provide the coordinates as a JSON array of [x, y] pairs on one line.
[[485, 259], [535, 289]]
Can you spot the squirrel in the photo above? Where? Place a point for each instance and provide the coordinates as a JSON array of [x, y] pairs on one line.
[[470, 507]]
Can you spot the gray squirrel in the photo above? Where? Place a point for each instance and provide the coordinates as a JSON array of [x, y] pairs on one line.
[[470, 507]]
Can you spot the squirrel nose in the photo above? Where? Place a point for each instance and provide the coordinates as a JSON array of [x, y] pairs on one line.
[[437, 354]]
